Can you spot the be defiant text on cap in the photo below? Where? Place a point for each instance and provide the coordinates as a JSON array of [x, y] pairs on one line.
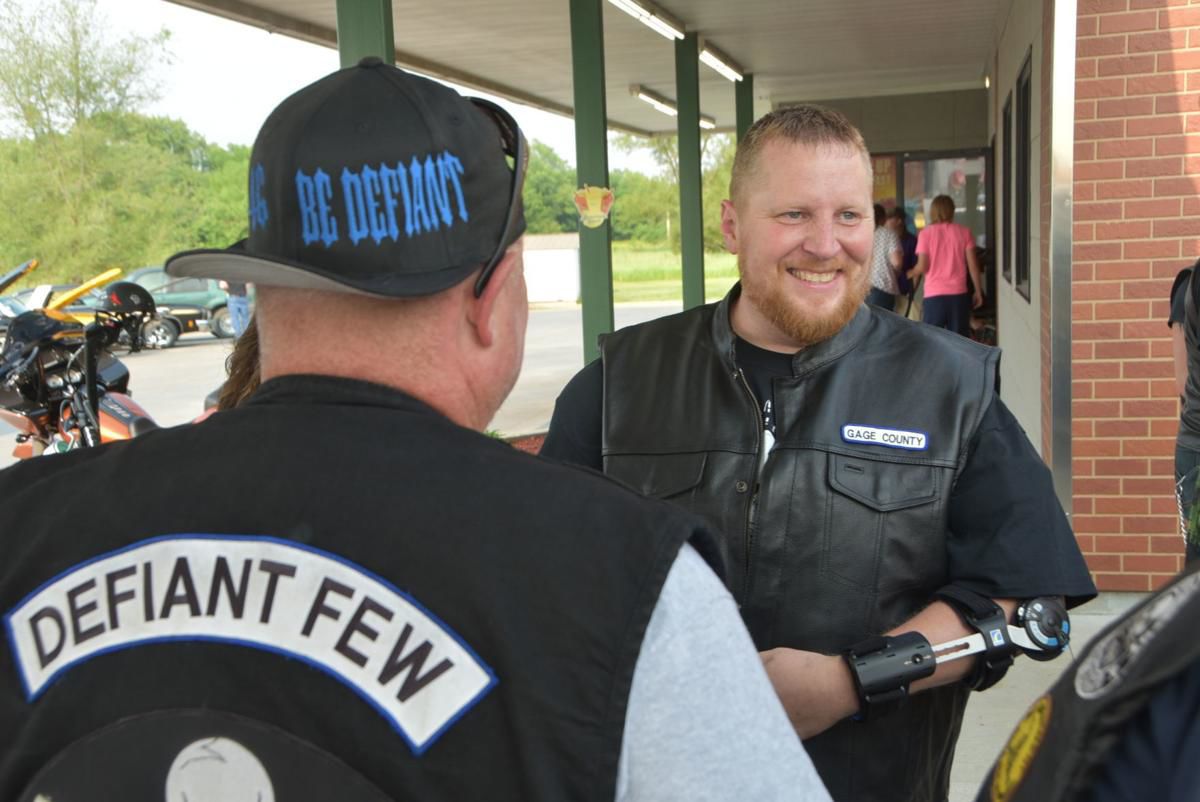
[[424, 195], [263, 593]]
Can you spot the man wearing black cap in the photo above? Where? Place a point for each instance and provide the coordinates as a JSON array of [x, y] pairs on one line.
[[388, 605]]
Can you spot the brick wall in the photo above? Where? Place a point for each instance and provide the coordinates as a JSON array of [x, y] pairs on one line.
[[1136, 223]]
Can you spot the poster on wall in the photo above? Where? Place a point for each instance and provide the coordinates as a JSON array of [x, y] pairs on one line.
[[884, 168]]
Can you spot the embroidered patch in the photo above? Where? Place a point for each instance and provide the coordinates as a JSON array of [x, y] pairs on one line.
[[1108, 661], [264, 593], [892, 438], [1020, 750]]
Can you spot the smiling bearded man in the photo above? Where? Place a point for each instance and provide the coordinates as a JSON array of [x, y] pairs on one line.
[[803, 239], [862, 469]]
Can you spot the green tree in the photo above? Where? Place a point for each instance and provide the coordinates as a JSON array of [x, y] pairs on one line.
[[645, 208], [59, 66], [88, 183], [716, 164], [549, 192]]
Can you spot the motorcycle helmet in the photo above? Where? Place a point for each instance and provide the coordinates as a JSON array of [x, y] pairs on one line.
[[125, 308], [125, 297]]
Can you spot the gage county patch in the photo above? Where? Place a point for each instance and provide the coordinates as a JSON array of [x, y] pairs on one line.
[[264, 593], [1020, 750], [892, 438]]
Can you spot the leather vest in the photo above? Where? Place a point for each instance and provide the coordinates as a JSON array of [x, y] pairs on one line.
[[1066, 735], [835, 538], [547, 575]]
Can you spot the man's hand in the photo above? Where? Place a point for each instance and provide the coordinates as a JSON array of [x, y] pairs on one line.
[[817, 690], [977, 300]]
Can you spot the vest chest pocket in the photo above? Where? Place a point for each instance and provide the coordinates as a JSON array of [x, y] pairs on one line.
[[883, 529], [673, 477]]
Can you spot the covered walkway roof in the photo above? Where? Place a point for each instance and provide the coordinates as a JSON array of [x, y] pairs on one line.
[[810, 50]]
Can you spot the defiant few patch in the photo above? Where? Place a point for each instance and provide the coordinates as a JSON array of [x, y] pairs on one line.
[[264, 593], [892, 438]]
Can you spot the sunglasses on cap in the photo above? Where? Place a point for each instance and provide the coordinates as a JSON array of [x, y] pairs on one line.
[[513, 143]]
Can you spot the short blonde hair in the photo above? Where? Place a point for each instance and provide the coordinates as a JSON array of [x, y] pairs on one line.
[[941, 209], [805, 124]]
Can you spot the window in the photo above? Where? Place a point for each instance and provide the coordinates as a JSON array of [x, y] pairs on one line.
[[1006, 167], [187, 285], [1023, 164]]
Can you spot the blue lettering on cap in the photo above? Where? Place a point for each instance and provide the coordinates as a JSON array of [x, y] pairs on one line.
[[428, 192], [390, 182], [419, 215], [329, 228], [258, 204], [356, 206], [316, 221], [435, 191], [450, 168], [372, 192]]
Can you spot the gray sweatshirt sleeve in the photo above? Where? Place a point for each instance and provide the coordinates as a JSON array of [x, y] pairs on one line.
[[703, 722]]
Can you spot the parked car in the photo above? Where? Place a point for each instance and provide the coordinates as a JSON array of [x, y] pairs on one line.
[[204, 292], [161, 331]]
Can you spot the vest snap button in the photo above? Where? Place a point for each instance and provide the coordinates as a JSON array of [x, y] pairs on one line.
[[740, 486]]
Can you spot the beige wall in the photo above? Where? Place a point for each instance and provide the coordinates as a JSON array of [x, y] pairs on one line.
[[930, 121], [1019, 325]]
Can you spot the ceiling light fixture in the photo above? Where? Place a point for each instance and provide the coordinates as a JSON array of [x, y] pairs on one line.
[[666, 106], [987, 82], [720, 62], [652, 17], [654, 99]]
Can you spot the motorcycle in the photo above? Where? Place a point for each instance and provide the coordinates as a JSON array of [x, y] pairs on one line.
[[60, 385]]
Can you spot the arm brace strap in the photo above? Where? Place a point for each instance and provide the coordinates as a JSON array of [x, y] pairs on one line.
[[988, 619], [883, 667]]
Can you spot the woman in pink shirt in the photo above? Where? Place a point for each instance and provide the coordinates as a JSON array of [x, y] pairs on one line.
[[945, 254]]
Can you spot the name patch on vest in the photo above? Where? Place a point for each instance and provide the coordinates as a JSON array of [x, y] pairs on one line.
[[892, 438], [266, 594]]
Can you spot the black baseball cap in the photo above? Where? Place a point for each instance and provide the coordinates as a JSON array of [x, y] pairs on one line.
[[376, 181]]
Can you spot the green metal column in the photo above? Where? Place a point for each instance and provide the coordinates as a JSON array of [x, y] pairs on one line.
[[591, 158], [364, 28], [744, 94], [691, 215]]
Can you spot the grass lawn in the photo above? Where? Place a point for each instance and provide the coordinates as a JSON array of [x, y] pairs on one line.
[[650, 274]]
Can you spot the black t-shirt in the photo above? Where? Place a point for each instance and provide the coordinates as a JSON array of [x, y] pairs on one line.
[[761, 367], [1002, 514]]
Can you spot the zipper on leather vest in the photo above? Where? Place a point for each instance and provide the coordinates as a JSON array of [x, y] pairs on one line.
[[752, 507]]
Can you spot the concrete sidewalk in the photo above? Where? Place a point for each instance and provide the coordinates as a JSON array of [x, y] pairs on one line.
[[992, 714]]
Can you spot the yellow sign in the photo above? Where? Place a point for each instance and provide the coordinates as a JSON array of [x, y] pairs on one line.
[[884, 191], [1018, 754], [593, 204]]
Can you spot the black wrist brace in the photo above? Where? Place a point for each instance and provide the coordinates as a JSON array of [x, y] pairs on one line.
[[883, 667]]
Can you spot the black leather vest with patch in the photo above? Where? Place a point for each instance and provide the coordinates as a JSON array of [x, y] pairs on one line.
[[1066, 735], [547, 575], [834, 539]]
